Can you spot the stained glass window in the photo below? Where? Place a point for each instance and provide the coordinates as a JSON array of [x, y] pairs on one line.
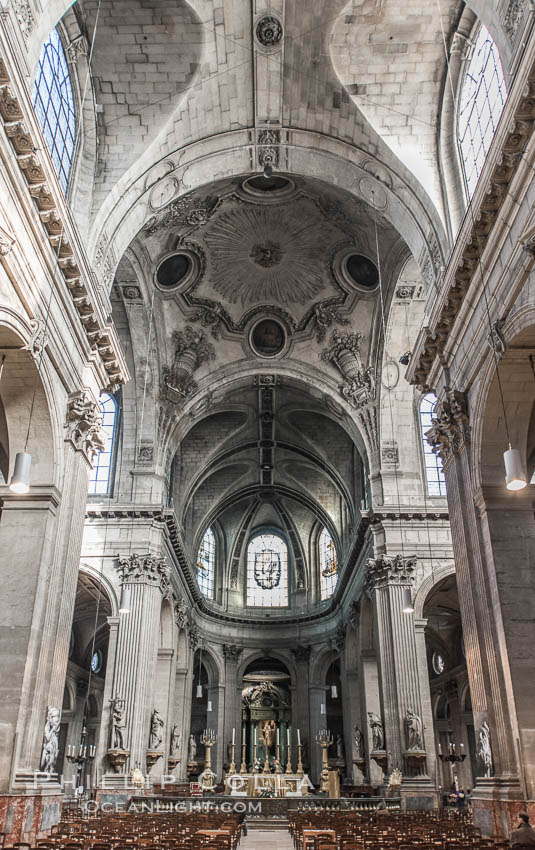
[[100, 476], [436, 484], [328, 565], [482, 100], [267, 571], [54, 106], [206, 564]]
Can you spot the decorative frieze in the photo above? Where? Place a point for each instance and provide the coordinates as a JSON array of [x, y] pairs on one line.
[[83, 426], [25, 17], [144, 569], [385, 570], [451, 428]]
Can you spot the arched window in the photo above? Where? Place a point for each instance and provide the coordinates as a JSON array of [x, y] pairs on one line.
[[267, 571], [483, 97], [100, 477], [328, 565], [54, 106], [436, 485], [206, 564]]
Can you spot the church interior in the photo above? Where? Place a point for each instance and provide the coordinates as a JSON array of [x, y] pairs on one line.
[[267, 424]]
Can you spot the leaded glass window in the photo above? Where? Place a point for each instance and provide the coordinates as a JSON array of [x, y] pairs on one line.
[[482, 100], [206, 564], [267, 571], [100, 476], [436, 484], [328, 565], [54, 106]]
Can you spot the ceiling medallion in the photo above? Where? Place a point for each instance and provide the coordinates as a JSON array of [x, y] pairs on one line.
[[267, 255], [269, 31], [268, 338]]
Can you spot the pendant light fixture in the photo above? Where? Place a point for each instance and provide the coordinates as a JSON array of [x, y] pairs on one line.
[[124, 604], [334, 692], [406, 601], [20, 480], [515, 477], [199, 685]]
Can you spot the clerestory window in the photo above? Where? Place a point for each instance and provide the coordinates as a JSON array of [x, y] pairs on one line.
[[328, 565], [206, 564], [100, 476], [435, 482], [267, 571]]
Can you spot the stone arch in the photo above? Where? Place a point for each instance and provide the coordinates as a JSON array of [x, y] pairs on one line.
[[212, 663], [104, 581], [427, 586], [321, 664], [254, 655]]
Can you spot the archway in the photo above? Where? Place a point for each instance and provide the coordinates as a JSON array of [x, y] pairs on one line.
[[266, 712]]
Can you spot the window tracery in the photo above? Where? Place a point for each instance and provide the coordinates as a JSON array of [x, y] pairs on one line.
[[206, 564], [328, 565], [435, 481], [54, 106], [267, 571], [483, 97], [100, 476]]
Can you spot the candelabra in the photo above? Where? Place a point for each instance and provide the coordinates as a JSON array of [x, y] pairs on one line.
[[288, 756], [452, 757], [81, 756], [208, 739], [278, 768], [325, 740]]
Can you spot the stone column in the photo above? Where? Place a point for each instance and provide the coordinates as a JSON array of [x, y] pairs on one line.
[[183, 686], [104, 739], [147, 578], [301, 715], [232, 699], [399, 668], [486, 660]]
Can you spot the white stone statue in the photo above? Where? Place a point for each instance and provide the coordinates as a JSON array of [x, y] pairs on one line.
[[340, 748], [175, 740], [358, 740], [483, 750], [378, 735], [414, 730], [118, 724], [192, 748], [49, 753], [156, 733]]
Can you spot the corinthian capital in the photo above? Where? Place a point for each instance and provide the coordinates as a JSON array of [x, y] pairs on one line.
[[385, 570], [231, 651], [83, 425], [451, 427], [144, 569]]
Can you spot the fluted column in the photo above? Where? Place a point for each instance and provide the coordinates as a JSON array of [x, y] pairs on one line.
[[399, 669], [232, 698], [147, 579]]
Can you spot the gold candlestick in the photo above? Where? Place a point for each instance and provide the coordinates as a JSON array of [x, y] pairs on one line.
[[232, 765], [300, 771], [243, 766], [288, 758], [278, 768], [255, 769]]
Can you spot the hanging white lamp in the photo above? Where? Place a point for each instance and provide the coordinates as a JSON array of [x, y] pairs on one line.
[[515, 477], [406, 601], [20, 480], [124, 604], [334, 692]]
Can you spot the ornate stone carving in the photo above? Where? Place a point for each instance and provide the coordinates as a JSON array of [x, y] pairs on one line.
[[267, 255], [484, 750], [268, 156], [156, 730], [191, 349], [461, 45], [378, 735], [269, 137], [131, 293], [405, 293], [24, 16], [325, 315], [385, 570], [187, 210], [211, 317], [414, 731], [181, 613], [144, 569], [301, 653], [38, 339], [269, 31], [354, 614], [495, 338], [83, 425], [390, 455], [513, 16], [50, 750], [174, 742], [358, 745], [77, 47], [118, 724], [193, 637], [451, 428], [359, 383], [146, 452], [231, 651], [339, 640]]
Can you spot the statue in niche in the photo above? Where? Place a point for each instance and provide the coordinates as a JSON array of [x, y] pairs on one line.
[[156, 733], [118, 724], [340, 748], [378, 735], [483, 749], [175, 740], [414, 729], [358, 740], [192, 748], [50, 749]]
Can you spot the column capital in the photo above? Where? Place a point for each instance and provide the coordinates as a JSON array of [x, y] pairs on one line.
[[231, 651], [144, 569], [385, 570], [451, 428], [83, 425], [301, 653]]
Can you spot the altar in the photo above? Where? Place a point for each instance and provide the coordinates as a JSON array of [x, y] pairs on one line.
[[268, 785]]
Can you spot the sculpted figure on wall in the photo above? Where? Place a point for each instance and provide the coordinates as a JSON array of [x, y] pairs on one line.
[[378, 735], [49, 753]]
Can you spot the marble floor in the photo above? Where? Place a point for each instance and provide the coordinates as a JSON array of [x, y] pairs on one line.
[[267, 839]]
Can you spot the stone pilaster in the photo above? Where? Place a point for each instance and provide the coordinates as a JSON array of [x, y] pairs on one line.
[[147, 578], [232, 654], [399, 669]]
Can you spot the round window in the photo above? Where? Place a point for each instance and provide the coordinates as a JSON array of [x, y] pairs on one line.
[[96, 662], [362, 271], [173, 270], [439, 665]]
